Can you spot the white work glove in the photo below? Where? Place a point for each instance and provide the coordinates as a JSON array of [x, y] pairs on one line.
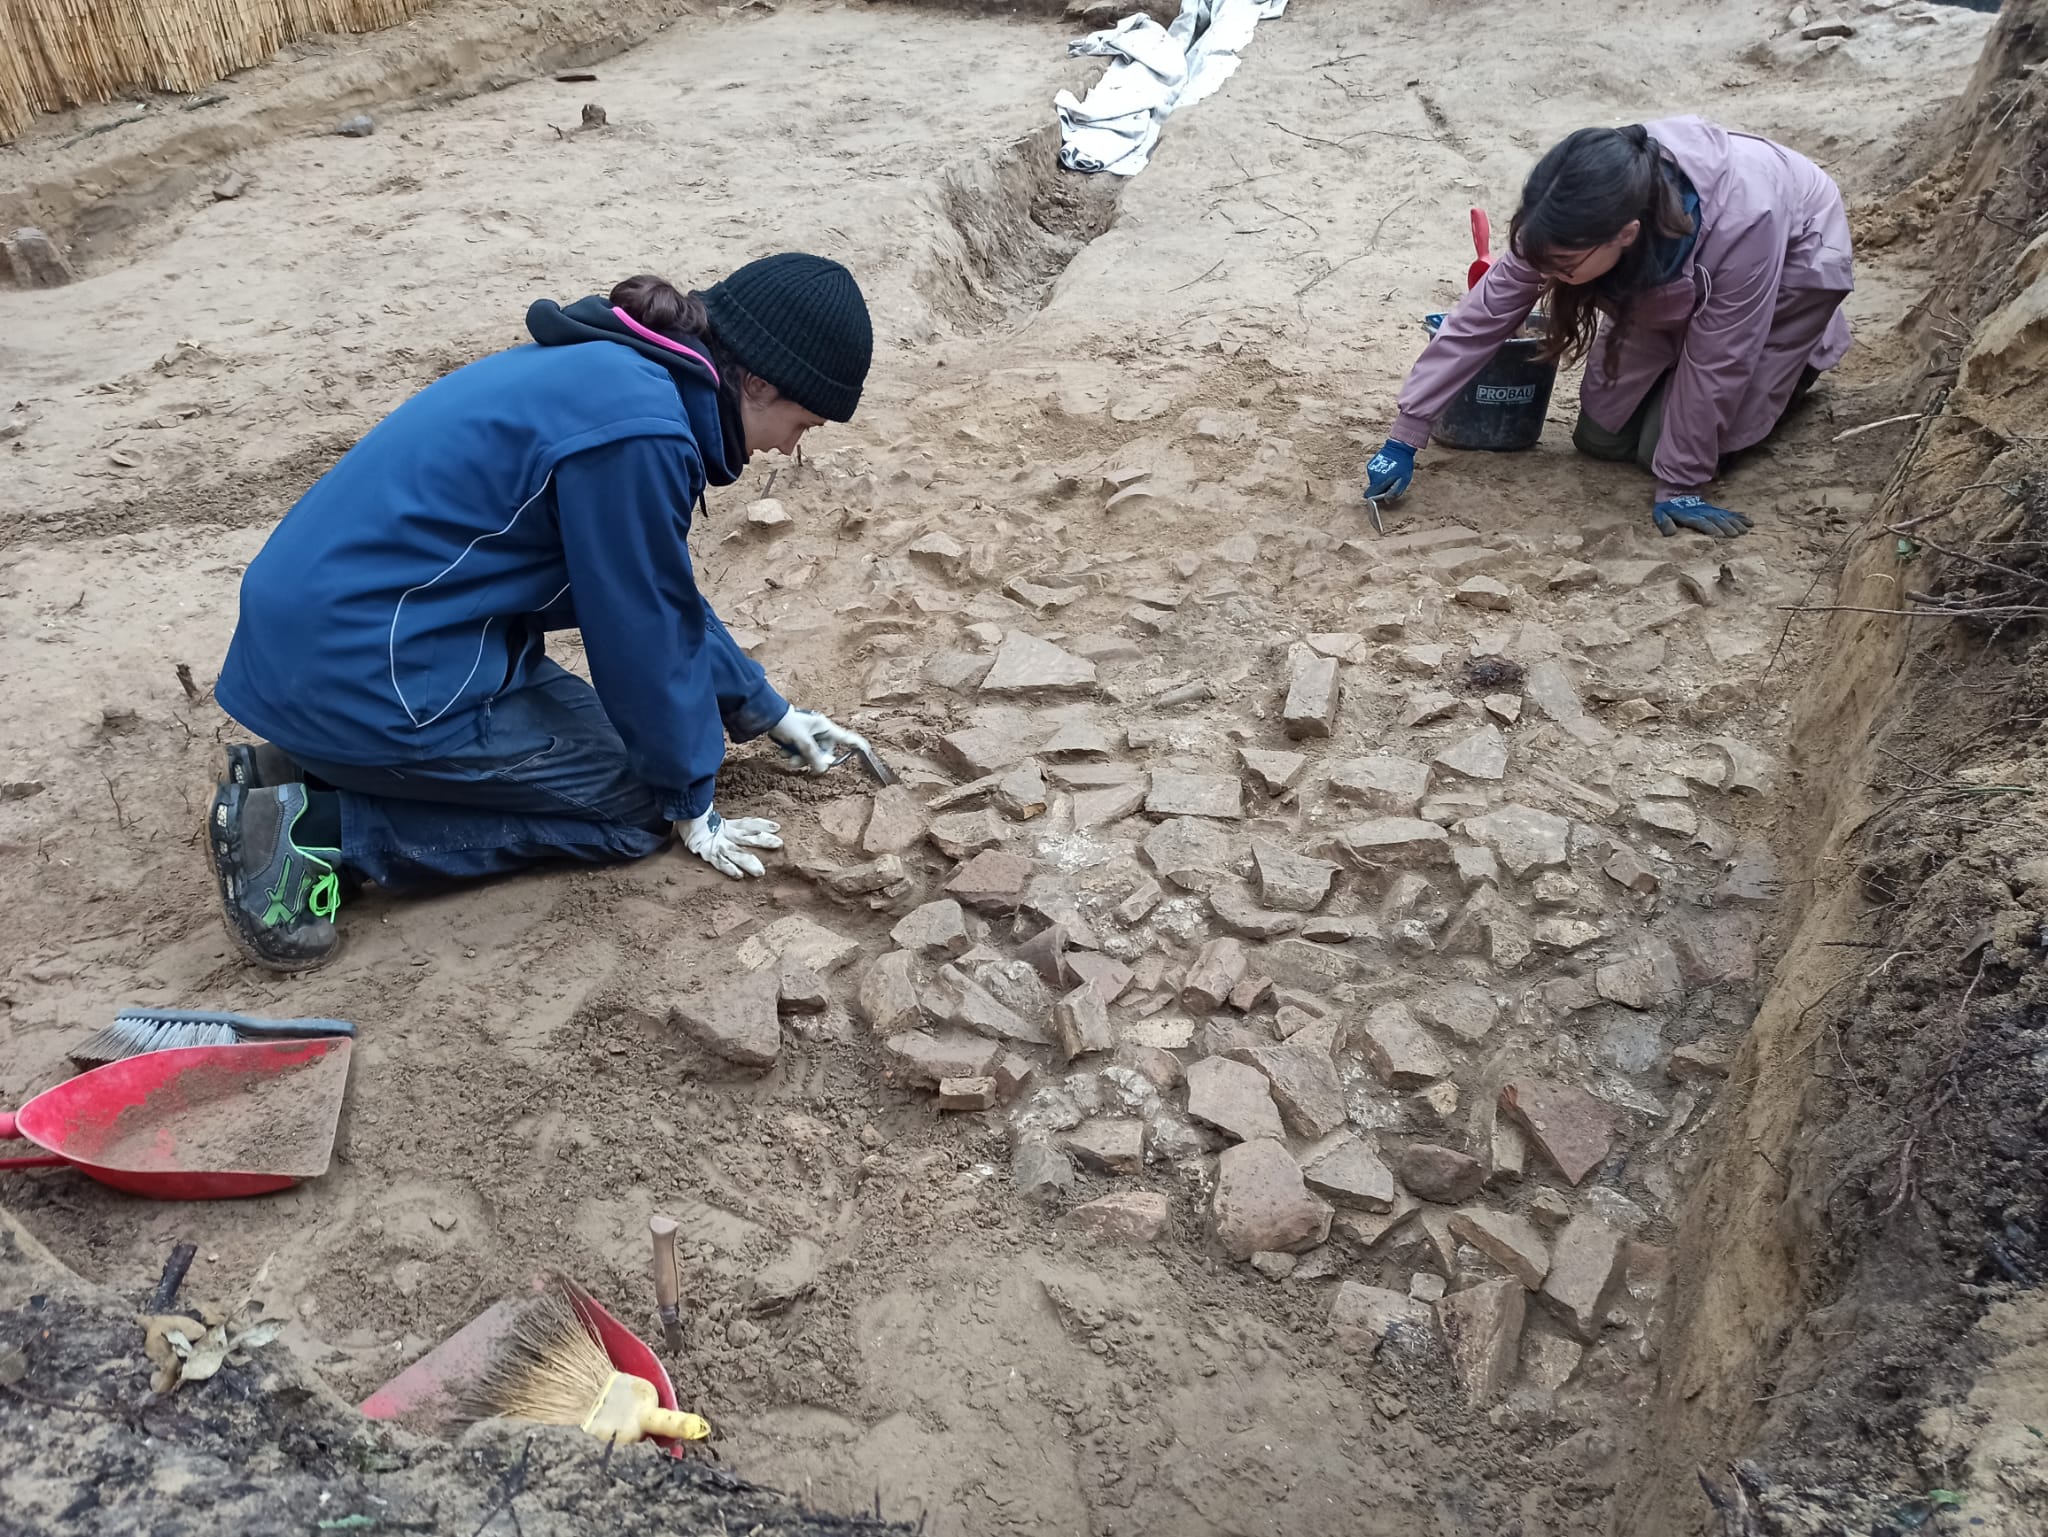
[[815, 741], [722, 842]]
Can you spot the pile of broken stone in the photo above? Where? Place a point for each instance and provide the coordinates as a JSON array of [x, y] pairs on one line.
[[1356, 1017]]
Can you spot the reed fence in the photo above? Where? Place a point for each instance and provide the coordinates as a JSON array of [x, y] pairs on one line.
[[66, 53]]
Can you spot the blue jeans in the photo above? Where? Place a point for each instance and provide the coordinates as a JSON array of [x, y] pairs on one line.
[[544, 777]]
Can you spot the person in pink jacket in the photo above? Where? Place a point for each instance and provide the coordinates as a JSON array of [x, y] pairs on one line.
[[1699, 274]]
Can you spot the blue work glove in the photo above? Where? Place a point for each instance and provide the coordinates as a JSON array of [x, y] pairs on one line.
[[1701, 516], [1388, 472]]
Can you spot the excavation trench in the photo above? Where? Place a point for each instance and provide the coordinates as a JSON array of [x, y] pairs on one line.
[[879, 1301]]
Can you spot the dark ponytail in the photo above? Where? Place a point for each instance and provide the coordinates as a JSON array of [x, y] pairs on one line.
[[665, 309], [660, 306], [1581, 195]]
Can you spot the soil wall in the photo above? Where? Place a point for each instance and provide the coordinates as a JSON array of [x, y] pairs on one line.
[[1858, 1313]]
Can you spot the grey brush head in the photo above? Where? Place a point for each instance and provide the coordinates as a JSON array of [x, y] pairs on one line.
[[135, 1031]]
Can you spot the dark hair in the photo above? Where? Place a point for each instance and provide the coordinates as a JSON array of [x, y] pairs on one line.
[[660, 306], [1582, 194]]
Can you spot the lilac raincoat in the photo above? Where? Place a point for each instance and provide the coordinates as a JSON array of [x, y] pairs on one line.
[[1758, 300]]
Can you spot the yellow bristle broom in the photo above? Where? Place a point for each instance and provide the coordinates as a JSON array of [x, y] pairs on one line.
[[550, 1370]]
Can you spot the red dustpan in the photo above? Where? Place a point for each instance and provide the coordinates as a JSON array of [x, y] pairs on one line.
[[428, 1394], [194, 1123]]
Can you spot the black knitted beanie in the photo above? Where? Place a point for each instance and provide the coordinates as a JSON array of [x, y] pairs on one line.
[[800, 323]]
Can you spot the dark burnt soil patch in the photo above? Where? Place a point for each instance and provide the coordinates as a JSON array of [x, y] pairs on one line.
[[1924, 1198], [264, 1449]]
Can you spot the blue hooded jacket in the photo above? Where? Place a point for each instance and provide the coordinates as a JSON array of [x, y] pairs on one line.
[[544, 488]]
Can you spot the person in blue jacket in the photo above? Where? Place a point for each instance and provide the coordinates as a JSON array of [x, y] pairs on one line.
[[391, 648]]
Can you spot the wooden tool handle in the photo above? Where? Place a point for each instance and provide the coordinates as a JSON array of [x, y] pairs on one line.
[[668, 1288]]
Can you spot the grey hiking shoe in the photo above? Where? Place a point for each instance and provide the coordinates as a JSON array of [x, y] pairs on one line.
[[279, 899], [259, 766]]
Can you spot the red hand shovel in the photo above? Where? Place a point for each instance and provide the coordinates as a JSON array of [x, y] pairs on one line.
[[1482, 242]]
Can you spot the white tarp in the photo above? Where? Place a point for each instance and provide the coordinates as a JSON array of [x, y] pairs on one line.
[[1154, 71]]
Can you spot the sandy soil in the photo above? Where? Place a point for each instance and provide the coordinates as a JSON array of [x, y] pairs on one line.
[[1238, 331]]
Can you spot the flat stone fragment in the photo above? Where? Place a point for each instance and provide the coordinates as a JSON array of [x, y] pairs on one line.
[[1169, 1033], [1440, 1174], [1290, 881], [1298, 963], [1213, 976], [967, 833], [1233, 1098], [1522, 837], [1548, 1362], [1363, 1318], [1700, 1062], [1584, 1262], [1311, 706], [1483, 755], [1392, 786], [1629, 870], [1193, 852], [1099, 808], [1109, 1145], [1548, 689], [896, 824], [1666, 816], [1020, 793], [1395, 841], [955, 671], [1352, 1175], [1076, 739], [924, 1058], [1178, 794], [967, 1093], [845, 819], [1025, 664], [1428, 705], [1482, 1329], [1039, 1170], [1261, 1204], [975, 1008], [800, 990], [1080, 1023], [939, 926], [1511, 1242], [1458, 560], [1505, 708], [1648, 979], [1401, 1052], [982, 750], [1304, 1084], [739, 1021], [1250, 993], [801, 940], [1484, 592], [38, 262], [1467, 1011], [1129, 1216], [1274, 771], [1476, 864], [1573, 1129], [1715, 948], [1344, 645], [1563, 934], [1750, 772], [1110, 978], [992, 881], [1145, 896], [942, 553], [1238, 914]]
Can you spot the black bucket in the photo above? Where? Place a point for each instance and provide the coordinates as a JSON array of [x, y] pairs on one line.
[[1502, 409]]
